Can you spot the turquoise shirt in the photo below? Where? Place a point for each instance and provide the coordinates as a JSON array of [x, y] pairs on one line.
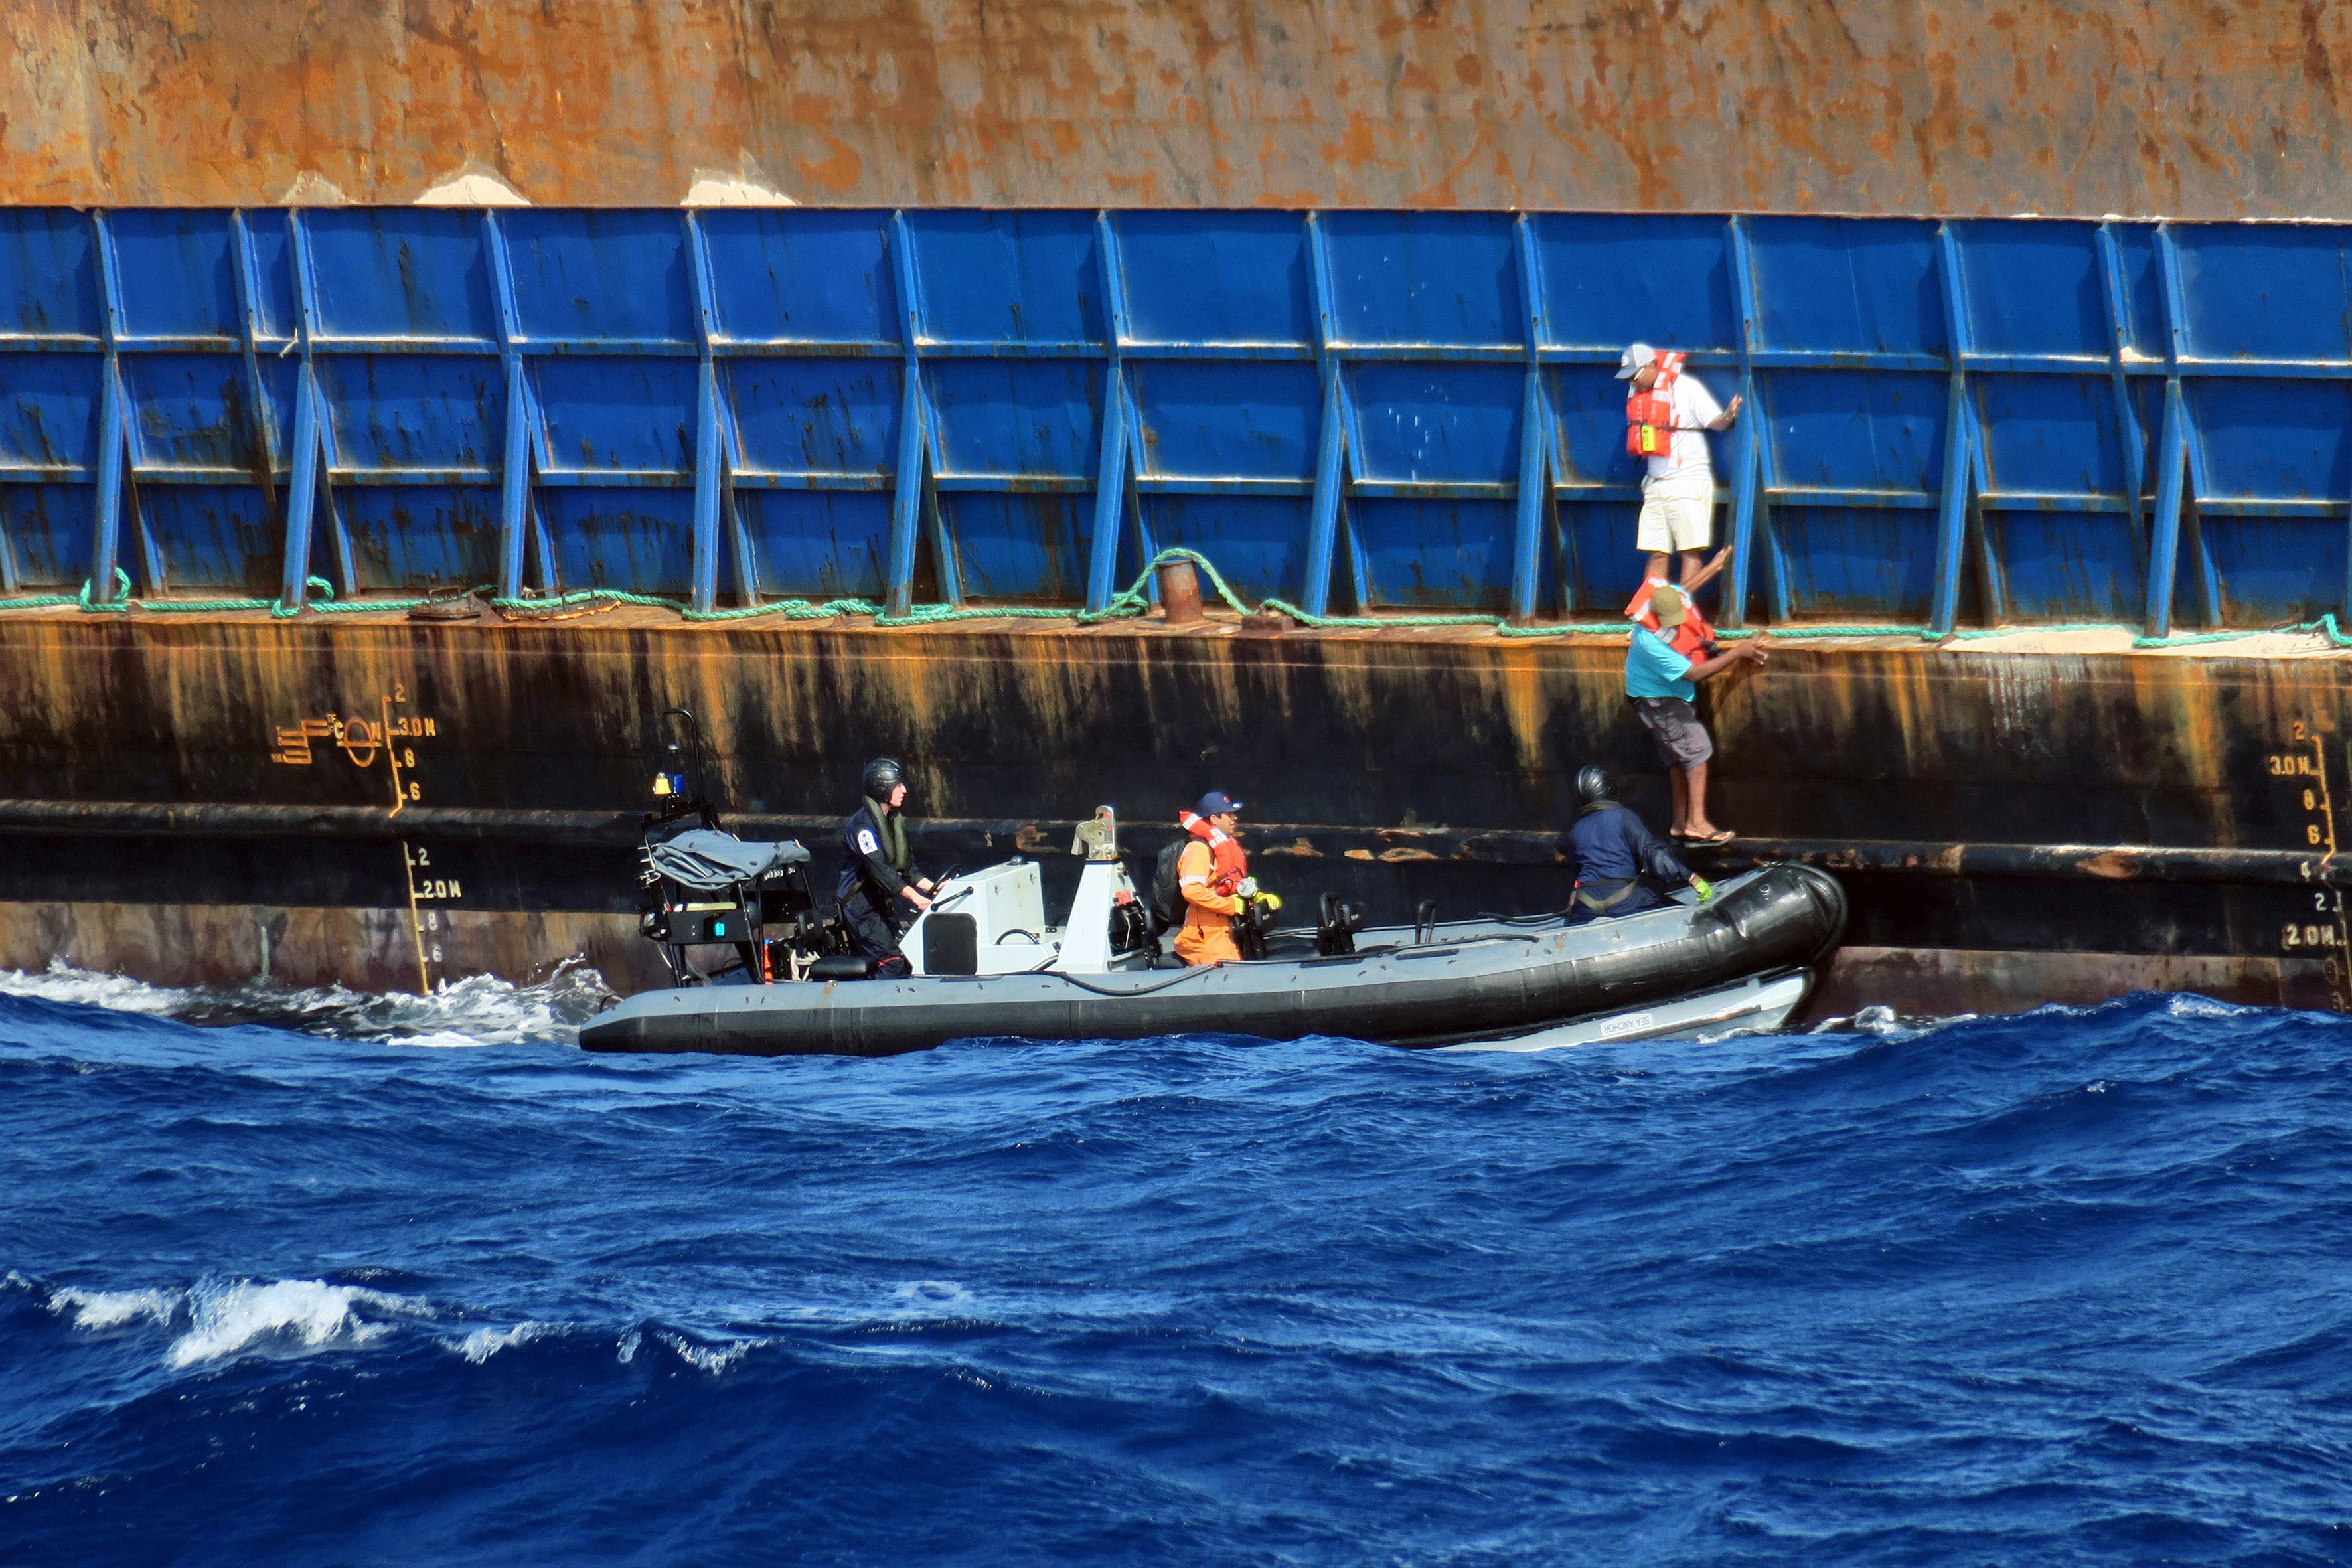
[[1655, 669]]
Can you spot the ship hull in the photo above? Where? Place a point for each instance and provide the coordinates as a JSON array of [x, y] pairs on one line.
[[379, 803]]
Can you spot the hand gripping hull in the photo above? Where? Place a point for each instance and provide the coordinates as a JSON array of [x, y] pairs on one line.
[[1478, 979]]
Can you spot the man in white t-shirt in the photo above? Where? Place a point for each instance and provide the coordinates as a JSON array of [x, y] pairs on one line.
[[1669, 414]]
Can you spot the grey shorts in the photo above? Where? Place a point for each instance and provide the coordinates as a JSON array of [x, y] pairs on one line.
[[1674, 729]]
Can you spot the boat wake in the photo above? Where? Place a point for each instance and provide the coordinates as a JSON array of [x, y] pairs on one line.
[[480, 1010]]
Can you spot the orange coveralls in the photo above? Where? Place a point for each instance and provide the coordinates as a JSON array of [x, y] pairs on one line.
[[1207, 936]]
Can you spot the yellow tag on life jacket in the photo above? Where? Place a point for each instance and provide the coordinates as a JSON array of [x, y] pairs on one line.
[[1649, 438]]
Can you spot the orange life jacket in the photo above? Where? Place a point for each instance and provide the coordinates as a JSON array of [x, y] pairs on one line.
[[1649, 415], [1228, 864], [1689, 639]]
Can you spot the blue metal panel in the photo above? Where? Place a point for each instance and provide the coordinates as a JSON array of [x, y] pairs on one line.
[[1018, 420], [604, 279], [1612, 280], [825, 418], [1210, 420], [49, 417], [818, 544], [1447, 278], [179, 274], [2122, 419], [787, 278], [1435, 554], [640, 540], [405, 536], [1009, 279], [48, 534], [1848, 286], [208, 538], [1019, 549], [406, 412], [1202, 278], [48, 274], [2032, 287], [2267, 291], [414, 272]]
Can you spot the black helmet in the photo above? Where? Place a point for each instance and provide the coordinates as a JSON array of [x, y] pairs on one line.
[[882, 775], [1592, 786]]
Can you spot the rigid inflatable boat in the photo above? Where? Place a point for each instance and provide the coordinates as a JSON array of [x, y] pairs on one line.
[[988, 966]]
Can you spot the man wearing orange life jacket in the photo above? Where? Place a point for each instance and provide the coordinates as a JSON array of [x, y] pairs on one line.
[[1667, 415], [1212, 875]]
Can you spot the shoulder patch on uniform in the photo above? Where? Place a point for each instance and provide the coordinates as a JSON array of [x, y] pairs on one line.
[[867, 843]]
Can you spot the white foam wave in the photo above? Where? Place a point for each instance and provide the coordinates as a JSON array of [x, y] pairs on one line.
[[63, 983], [2192, 1006], [712, 1359], [225, 1320], [113, 1309], [479, 1010], [483, 1343], [1886, 1024]]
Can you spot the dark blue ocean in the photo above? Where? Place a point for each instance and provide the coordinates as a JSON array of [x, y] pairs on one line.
[[324, 1279]]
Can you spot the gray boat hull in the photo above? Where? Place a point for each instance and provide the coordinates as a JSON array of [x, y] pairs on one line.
[[1478, 981]]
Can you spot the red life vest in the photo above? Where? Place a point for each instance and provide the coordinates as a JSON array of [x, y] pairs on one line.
[[1689, 639], [1649, 415], [1228, 863]]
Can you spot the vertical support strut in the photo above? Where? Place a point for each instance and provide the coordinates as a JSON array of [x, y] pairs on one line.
[[515, 468], [1331, 448], [1751, 464], [113, 432], [302, 492], [1535, 436], [914, 438], [2173, 460], [1959, 450], [262, 433], [709, 455], [1111, 471], [2128, 436]]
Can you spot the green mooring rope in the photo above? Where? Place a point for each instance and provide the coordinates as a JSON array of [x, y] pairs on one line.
[[1130, 601]]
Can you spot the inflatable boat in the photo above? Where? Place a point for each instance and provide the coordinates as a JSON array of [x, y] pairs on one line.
[[987, 966]]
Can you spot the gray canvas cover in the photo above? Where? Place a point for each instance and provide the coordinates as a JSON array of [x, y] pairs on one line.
[[703, 859]]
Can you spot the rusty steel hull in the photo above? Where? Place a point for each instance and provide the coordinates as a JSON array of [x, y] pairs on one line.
[[381, 803], [1950, 107]]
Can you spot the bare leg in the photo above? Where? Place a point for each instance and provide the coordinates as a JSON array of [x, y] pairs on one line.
[[1682, 800], [1693, 561], [1657, 566], [1696, 823]]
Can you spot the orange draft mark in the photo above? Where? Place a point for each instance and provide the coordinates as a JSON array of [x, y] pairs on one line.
[[362, 740], [2330, 934]]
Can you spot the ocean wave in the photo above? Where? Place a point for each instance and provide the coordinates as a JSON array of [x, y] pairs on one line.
[[219, 1318], [479, 1010], [1935, 1291], [113, 1309]]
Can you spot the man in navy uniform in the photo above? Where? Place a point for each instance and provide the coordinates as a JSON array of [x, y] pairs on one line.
[[880, 892], [1610, 850]]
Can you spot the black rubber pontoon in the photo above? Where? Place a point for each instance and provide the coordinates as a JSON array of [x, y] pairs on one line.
[[1476, 980]]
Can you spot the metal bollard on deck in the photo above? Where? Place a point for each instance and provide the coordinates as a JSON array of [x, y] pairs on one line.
[[1180, 592]]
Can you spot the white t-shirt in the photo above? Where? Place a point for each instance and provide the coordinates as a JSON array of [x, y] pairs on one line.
[[1694, 405]]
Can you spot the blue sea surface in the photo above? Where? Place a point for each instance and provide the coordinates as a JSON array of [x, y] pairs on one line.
[[2063, 1286]]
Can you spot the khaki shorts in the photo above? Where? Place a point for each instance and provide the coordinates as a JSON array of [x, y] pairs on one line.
[[1681, 740], [1677, 512]]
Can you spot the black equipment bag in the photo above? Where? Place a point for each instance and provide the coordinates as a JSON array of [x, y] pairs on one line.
[[1167, 898]]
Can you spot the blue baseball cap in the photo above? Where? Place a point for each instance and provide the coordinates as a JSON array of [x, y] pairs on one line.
[[1215, 801]]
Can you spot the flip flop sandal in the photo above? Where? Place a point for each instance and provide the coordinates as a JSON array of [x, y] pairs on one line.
[[1724, 835]]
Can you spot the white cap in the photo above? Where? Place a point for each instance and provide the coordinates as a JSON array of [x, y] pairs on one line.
[[1631, 361]]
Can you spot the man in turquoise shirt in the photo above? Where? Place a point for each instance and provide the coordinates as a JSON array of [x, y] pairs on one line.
[[1661, 684]]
